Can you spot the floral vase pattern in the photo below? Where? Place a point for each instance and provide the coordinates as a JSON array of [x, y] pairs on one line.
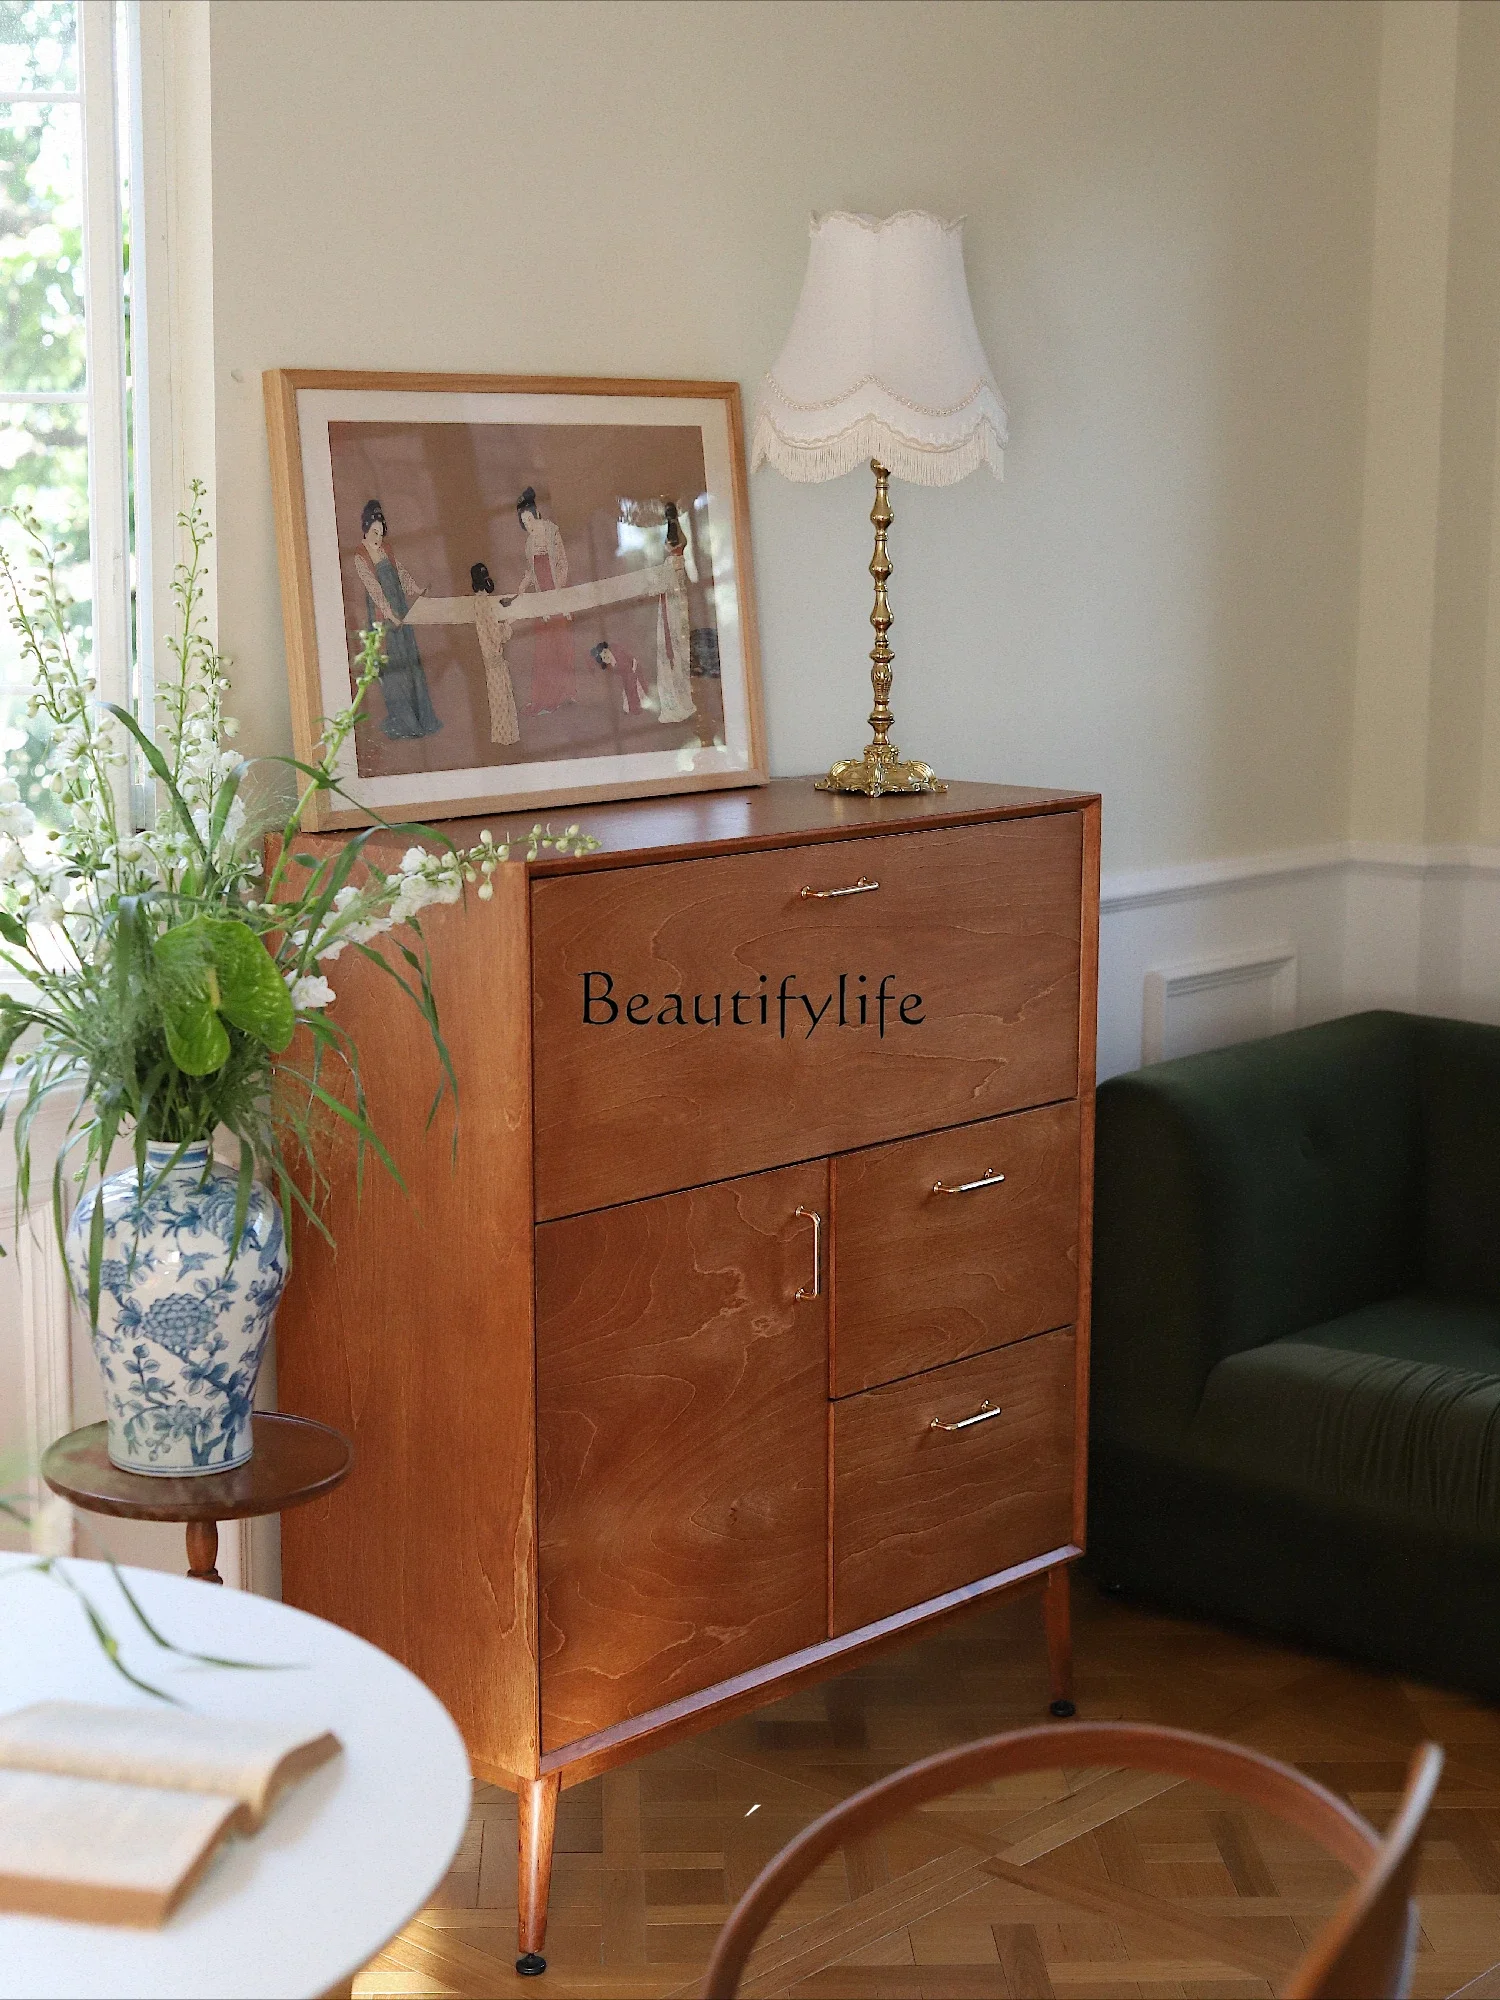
[[182, 1326]]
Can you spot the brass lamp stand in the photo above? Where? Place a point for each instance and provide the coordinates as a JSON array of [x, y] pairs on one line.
[[880, 769]]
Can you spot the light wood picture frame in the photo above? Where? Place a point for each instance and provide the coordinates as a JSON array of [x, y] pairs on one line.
[[561, 571]]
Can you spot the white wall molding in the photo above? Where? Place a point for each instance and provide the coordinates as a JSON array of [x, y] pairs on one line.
[[1383, 857], [1146, 888], [1142, 888]]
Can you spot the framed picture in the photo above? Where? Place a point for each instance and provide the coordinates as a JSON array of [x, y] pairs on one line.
[[560, 571]]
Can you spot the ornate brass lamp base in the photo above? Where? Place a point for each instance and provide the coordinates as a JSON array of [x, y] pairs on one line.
[[880, 769]]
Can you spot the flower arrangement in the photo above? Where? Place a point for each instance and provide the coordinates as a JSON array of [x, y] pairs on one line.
[[163, 972]]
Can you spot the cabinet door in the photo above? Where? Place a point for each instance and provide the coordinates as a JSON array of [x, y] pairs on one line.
[[682, 1445], [696, 1019]]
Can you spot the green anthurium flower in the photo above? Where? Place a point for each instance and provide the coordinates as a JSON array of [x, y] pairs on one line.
[[253, 994], [216, 969]]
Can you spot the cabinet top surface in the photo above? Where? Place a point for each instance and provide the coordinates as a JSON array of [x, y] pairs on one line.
[[784, 813]]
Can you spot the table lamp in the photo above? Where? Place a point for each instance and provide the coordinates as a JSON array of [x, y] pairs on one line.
[[883, 362]]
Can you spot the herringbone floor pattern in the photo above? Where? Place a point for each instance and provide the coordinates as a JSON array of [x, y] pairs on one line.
[[1078, 1885]]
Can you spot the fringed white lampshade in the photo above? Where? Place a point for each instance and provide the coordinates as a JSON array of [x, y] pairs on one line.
[[884, 363], [883, 360]]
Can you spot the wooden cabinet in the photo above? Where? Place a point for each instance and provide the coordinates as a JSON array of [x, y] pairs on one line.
[[744, 1327]]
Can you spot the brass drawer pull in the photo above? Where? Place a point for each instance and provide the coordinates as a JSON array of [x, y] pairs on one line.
[[816, 1220], [860, 888], [981, 1416], [988, 1179]]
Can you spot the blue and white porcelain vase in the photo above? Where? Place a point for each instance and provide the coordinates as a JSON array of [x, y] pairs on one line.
[[182, 1328]]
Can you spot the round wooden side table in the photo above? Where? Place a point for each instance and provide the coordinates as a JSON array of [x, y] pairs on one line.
[[295, 1460]]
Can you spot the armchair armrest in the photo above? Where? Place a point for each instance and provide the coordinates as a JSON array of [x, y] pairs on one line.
[[1243, 1195]]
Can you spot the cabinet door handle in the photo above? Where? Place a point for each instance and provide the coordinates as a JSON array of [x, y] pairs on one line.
[[989, 1178], [860, 888], [816, 1220], [981, 1416]]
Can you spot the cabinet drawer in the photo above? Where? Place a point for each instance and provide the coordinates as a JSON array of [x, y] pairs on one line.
[[682, 1445], [918, 1510], [921, 1277], [685, 1067]]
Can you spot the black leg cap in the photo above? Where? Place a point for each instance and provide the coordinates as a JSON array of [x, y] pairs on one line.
[[530, 1963], [1063, 1709]]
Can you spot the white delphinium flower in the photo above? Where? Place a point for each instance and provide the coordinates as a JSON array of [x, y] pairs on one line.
[[309, 992], [355, 920], [359, 930], [16, 819]]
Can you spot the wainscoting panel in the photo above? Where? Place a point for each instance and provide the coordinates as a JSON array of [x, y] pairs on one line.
[[1207, 1003], [1218, 953]]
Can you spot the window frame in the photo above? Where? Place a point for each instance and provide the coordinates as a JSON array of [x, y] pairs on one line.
[[99, 73], [103, 397]]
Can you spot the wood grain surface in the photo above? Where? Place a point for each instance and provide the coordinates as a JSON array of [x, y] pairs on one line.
[[415, 1340], [681, 1414], [788, 812], [586, 1756], [921, 1278], [981, 922], [917, 1510]]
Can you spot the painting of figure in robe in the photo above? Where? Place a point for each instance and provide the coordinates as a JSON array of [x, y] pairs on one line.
[[627, 669], [498, 541], [574, 551], [552, 663], [390, 591]]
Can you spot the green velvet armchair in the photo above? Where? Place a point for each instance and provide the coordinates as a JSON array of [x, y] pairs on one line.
[[1296, 1372]]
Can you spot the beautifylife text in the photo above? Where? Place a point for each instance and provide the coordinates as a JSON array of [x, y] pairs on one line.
[[857, 1003]]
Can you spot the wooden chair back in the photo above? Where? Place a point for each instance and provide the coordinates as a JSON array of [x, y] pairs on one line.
[[1365, 1949]]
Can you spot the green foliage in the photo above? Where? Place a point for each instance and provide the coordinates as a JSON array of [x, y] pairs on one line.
[[164, 976]]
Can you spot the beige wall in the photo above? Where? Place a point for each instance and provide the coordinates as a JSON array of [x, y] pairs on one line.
[[1425, 760], [1168, 242], [1463, 765]]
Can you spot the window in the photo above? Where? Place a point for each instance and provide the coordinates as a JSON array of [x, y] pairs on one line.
[[64, 398]]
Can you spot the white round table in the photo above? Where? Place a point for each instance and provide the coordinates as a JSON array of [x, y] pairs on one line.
[[347, 1857]]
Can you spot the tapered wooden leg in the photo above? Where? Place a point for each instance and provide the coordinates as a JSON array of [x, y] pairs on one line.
[[537, 1805], [1056, 1609], [203, 1551]]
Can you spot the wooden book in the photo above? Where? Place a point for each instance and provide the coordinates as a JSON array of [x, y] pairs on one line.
[[111, 1814]]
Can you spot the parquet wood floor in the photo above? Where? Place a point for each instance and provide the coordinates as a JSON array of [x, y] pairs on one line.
[[1085, 1885]]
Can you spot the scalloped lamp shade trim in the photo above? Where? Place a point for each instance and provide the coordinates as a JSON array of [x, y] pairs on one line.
[[883, 359]]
